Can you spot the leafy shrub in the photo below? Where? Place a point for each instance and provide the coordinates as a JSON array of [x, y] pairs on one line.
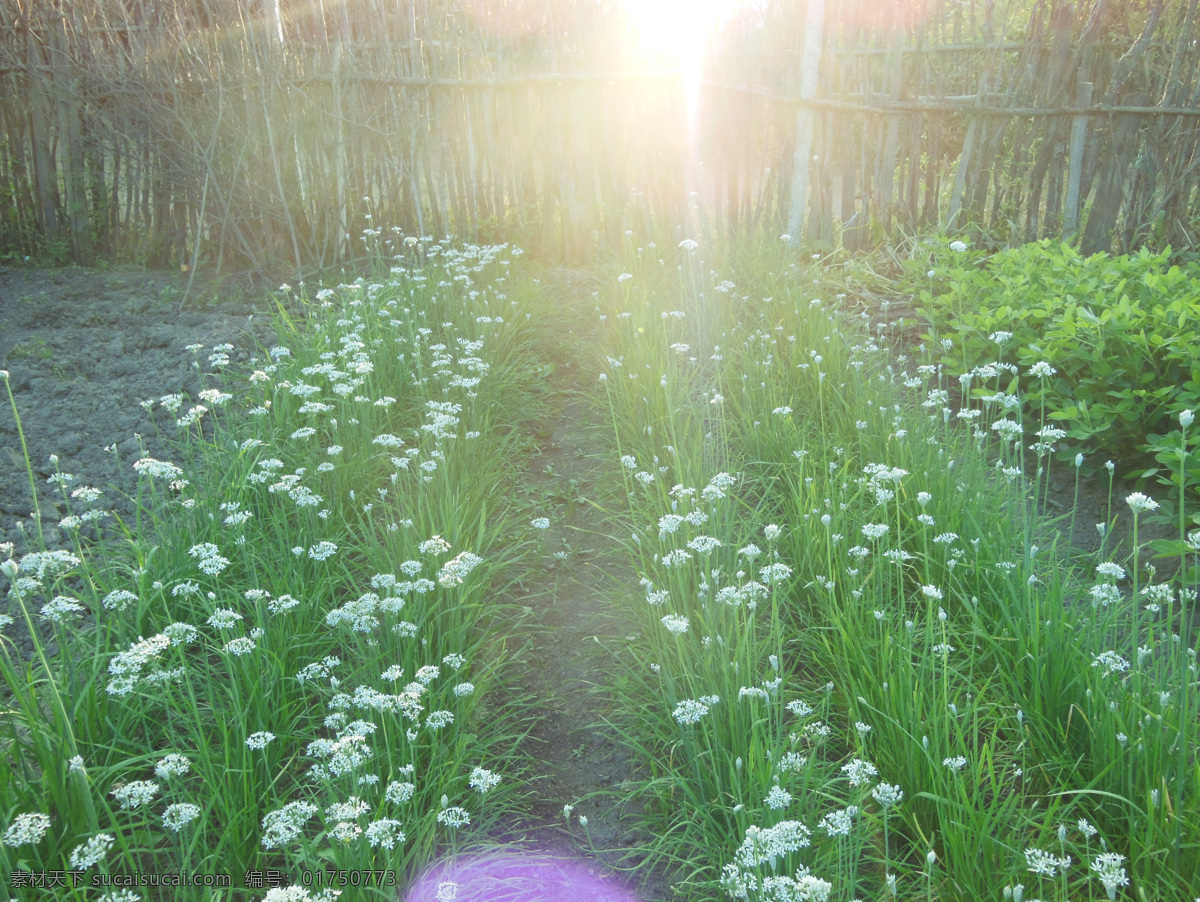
[[1118, 331]]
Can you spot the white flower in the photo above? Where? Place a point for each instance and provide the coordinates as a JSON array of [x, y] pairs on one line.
[[1043, 863], [223, 619], [322, 551], [887, 795], [399, 792], [675, 624], [240, 646], [778, 798], [483, 780], [86, 854], [958, 246], [1107, 867], [454, 817], [436, 545], [455, 571], [178, 816], [439, 719], [774, 573], [384, 833], [27, 829], [540, 523], [259, 740], [689, 711], [172, 766], [955, 764], [136, 793], [60, 608], [157, 469], [839, 823], [704, 544], [1042, 370], [1140, 504], [800, 708], [1186, 417], [688, 244], [1111, 662], [859, 771], [118, 600]]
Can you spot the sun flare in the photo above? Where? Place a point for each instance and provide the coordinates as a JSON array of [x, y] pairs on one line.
[[676, 28], [676, 32]]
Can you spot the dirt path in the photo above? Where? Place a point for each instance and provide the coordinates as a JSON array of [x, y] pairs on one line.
[[579, 624]]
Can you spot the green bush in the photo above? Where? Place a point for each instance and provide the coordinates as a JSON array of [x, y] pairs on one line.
[[1117, 331]]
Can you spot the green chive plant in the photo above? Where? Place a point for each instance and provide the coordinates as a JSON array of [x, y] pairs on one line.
[[870, 671], [275, 672]]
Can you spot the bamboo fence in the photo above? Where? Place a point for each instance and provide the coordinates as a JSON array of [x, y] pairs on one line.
[[292, 136]]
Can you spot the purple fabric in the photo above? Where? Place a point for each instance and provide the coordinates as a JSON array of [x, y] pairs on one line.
[[516, 877]]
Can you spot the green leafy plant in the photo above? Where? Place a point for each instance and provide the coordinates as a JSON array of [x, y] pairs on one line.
[[1117, 332]]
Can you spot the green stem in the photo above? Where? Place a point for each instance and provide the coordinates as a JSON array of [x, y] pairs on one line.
[[37, 510]]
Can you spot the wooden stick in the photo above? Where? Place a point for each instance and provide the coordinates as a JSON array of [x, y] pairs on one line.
[[1075, 164]]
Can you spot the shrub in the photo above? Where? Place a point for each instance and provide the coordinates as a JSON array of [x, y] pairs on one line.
[[1117, 331]]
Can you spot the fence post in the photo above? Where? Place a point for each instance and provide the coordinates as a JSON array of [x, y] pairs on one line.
[[45, 172], [1110, 180], [1079, 124], [805, 119], [960, 175], [341, 247]]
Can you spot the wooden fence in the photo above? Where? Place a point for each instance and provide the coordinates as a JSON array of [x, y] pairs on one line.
[[295, 135]]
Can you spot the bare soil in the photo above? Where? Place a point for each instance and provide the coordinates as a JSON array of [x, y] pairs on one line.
[[83, 347]]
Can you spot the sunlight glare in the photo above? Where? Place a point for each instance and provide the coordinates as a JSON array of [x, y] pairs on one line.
[[676, 32]]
